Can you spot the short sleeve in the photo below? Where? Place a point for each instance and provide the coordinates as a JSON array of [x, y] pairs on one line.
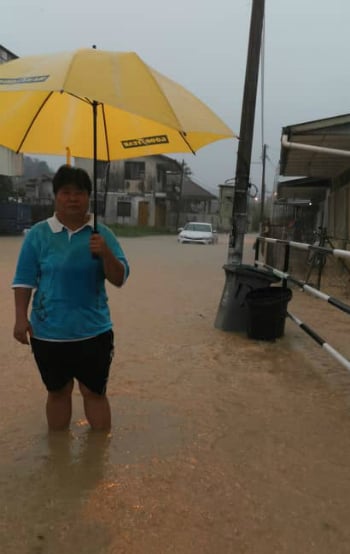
[[27, 269]]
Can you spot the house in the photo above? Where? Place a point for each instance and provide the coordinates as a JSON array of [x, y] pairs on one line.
[[36, 190], [149, 191], [318, 152], [11, 164], [197, 204], [226, 195]]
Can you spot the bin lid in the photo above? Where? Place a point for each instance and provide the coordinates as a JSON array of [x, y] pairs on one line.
[[247, 270], [266, 295]]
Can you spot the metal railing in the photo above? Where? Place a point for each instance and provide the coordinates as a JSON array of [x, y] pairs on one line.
[[317, 253]]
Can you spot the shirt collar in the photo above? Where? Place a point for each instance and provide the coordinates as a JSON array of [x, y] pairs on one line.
[[56, 226]]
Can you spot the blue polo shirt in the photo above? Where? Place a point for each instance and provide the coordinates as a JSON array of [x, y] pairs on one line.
[[70, 300]]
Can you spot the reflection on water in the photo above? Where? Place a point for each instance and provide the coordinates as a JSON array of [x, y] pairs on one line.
[[51, 483], [76, 459], [141, 430], [144, 429], [46, 490]]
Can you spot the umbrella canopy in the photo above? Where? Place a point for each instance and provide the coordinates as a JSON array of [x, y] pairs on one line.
[[45, 107], [99, 105]]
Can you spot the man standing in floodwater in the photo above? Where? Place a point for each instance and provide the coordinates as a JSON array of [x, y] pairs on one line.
[[70, 329]]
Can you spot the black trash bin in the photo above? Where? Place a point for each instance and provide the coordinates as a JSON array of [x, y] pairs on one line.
[[232, 313], [267, 311]]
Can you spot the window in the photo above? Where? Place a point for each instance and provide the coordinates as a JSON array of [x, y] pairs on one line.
[[134, 170], [123, 209], [202, 227]]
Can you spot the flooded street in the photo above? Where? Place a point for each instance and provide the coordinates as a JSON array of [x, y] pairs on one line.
[[220, 444]]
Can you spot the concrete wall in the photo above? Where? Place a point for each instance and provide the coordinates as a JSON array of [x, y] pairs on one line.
[[112, 209], [11, 164]]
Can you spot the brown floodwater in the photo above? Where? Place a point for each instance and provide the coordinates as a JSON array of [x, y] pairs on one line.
[[219, 443]]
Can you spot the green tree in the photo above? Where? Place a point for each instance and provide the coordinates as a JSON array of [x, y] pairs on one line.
[[6, 188]]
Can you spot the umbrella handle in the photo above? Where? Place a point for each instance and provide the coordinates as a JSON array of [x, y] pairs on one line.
[[95, 232]]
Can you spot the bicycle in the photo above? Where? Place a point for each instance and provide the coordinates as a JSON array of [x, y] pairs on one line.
[[317, 258]]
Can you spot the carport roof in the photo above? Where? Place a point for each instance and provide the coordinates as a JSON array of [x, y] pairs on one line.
[[332, 132], [302, 191]]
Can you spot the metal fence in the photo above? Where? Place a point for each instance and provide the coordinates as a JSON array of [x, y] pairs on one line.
[[317, 256]]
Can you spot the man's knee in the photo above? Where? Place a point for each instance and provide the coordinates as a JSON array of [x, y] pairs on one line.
[[87, 393], [64, 392]]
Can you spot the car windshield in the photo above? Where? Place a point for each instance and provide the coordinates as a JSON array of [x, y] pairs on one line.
[[205, 227]]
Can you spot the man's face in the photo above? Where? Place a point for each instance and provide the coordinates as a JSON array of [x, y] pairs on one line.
[[71, 201]]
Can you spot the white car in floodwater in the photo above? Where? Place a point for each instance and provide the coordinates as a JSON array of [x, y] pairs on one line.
[[198, 232]]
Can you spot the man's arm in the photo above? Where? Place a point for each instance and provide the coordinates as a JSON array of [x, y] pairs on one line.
[[113, 268], [22, 326]]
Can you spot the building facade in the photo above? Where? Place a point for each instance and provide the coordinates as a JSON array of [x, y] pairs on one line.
[[150, 191], [11, 164]]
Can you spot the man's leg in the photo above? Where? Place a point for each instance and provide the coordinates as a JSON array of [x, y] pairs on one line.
[[59, 408], [97, 409]]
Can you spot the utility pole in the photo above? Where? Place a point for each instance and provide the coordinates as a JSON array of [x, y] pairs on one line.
[[231, 315], [263, 187], [179, 195], [240, 203]]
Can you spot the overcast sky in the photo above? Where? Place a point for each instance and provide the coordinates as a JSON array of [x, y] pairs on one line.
[[203, 45]]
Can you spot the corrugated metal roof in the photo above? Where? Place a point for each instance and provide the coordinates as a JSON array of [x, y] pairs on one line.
[[333, 132], [301, 191], [190, 189]]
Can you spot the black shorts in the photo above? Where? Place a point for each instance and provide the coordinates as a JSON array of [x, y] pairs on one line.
[[88, 361]]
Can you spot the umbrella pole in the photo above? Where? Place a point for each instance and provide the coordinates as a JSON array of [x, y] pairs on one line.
[[94, 171]]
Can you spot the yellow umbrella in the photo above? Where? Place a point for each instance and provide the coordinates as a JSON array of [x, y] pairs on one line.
[[101, 105]]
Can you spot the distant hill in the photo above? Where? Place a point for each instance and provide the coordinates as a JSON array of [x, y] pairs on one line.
[[34, 168]]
